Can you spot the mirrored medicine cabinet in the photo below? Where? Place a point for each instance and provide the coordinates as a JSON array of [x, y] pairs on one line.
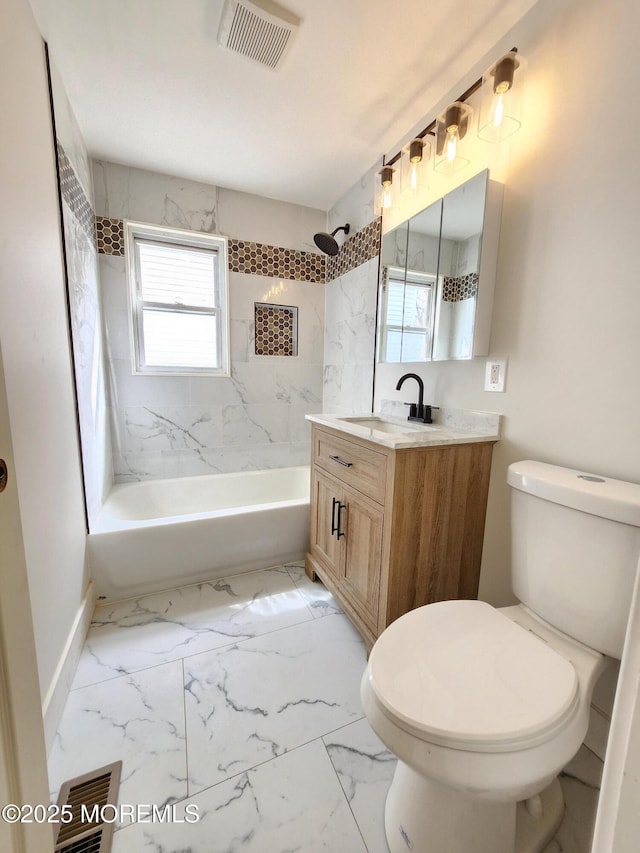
[[437, 277]]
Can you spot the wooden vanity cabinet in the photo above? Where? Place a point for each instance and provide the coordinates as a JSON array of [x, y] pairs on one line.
[[395, 529]]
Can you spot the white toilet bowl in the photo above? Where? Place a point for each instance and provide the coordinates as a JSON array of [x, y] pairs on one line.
[[483, 708]]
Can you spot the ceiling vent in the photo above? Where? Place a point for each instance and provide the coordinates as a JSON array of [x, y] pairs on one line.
[[261, 31]]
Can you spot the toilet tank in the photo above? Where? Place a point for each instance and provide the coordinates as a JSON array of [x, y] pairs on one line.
[[575, 547]]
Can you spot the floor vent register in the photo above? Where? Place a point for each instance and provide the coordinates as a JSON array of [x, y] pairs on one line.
[[88, 831]]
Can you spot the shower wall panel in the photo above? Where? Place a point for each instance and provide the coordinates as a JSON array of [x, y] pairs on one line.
[[175, 426], [84, 299]]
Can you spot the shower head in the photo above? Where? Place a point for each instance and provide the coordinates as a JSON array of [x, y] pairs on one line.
[[327, 243]]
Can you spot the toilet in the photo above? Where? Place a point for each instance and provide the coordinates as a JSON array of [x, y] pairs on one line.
[[483, 707]]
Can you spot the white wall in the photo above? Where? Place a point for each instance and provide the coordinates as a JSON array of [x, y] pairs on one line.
[[567, 301], [33, 331]]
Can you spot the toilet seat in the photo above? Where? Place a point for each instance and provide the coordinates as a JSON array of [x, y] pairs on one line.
[[463, 675]]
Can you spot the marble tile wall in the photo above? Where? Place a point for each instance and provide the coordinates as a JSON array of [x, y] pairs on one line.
[[349, 340], [356, 249], [166, 426], [84, 300], [351, 304]]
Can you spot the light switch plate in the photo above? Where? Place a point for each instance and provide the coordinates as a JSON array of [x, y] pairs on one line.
[[495, 372]]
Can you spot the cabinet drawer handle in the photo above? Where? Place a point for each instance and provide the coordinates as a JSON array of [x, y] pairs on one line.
[[340, 533], [341, 461]]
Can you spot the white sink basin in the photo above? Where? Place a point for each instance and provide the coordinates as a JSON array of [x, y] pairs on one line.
[[381, 425]]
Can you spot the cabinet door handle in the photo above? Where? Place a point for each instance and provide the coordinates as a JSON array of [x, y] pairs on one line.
[[340, 533], [341, 461], [334, 526]]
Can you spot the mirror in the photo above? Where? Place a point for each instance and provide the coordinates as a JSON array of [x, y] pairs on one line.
[[408, 277], [459, 269], [437, 277], [393, 259]]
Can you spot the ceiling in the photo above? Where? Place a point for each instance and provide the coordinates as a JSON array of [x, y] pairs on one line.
[[151, 87]]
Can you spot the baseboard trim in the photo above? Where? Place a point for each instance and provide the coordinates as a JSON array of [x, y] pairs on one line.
[[598, 732], [56, 696]]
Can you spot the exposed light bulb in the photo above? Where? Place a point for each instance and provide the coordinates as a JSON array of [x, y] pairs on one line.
[[386, 179], [451, 129], [412, 158], [498, 111], [413, 175], [498, 102], [452, 142]]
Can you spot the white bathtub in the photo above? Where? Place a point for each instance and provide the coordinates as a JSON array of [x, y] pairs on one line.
[[159, 534]]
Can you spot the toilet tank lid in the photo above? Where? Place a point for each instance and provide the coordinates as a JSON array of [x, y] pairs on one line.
[[605, 497]]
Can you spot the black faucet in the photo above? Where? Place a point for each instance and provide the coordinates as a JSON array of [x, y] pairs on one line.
[[417, 411]]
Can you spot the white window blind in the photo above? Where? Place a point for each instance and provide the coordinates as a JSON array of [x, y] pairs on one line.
[[174, 275], [178, 298], [408, 315]]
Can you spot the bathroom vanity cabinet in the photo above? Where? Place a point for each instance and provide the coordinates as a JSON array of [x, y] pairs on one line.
[[395, 528]]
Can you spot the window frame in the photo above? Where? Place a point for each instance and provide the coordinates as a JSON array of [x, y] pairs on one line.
[[416, 278], [135, 232]]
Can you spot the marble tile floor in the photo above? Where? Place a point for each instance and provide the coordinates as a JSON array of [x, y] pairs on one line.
[[241, 697]]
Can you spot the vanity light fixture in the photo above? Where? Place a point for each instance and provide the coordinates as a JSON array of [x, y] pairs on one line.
[[414, 163], [385, 198], [501, 105], [451, 128], [498, 88]]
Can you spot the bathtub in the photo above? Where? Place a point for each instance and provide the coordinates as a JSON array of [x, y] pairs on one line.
[[159, 534]]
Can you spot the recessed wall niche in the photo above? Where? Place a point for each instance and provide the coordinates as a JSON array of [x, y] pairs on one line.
[[276, 329]]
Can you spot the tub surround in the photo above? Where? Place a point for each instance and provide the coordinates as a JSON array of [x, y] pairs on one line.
[[358, 248], [184, 426], [349, 340], [351, 303], [85, 310]]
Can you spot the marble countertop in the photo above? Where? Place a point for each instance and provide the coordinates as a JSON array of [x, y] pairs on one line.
[[409, 434]]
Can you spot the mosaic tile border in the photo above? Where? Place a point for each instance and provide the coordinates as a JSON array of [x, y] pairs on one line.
[[276, 329], [253, 258], [460, 288], [364, 245], [275, 262], [244, 255], [109, 236], [74, 195]]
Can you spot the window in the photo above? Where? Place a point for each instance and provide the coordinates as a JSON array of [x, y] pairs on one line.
[[407, 315], [178, 296]]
